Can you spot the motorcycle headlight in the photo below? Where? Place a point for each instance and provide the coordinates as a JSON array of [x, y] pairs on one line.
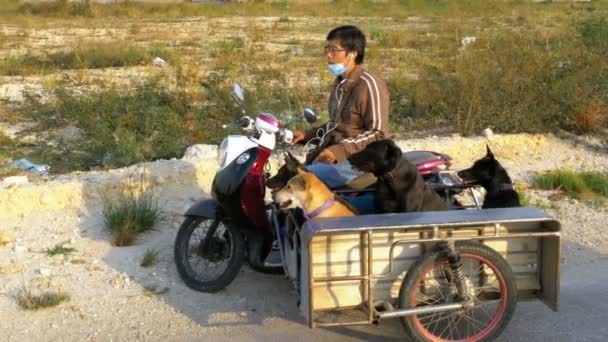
[[243, 158], [222, 153]]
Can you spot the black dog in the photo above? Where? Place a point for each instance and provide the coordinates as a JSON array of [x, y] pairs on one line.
[[400, 188], [488, 173], [285, 173]]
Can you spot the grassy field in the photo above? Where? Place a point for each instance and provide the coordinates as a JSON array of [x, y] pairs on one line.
[[533, 67]]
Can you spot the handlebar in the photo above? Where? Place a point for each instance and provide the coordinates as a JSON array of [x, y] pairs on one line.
[[243, 122]]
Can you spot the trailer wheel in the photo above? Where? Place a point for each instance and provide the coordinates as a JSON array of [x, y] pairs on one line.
[[492, 294]]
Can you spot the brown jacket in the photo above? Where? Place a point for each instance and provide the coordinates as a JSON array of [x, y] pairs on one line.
[[359, 104]]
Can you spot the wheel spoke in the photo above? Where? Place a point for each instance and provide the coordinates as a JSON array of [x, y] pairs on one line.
[[485, 281], [203, 268]]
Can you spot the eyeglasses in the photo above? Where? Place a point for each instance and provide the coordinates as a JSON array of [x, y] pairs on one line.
[[332, 49]]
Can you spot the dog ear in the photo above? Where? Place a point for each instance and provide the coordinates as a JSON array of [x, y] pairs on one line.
[[292, 162], [290, 155], [489, 153], [298, 182], [393, 153]]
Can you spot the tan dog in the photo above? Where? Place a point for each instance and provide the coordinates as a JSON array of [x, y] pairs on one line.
[[306, 191]]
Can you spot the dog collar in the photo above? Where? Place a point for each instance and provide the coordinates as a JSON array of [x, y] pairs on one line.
[[320, 209], [505, 186], [388, 177]]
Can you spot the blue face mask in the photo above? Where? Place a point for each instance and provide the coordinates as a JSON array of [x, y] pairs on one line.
[[336, 69]]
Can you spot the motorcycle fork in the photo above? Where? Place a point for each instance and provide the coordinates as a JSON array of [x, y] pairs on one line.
[[204, 246], [453, 270]]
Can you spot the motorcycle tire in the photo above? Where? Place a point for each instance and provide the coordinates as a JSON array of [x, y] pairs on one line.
[[182, 249]]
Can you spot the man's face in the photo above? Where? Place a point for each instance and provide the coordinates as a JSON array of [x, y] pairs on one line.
[[335, 52]]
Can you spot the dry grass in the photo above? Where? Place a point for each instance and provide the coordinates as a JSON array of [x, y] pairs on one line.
[[30, 301], [60, 249], [346, 8], [593, 117]]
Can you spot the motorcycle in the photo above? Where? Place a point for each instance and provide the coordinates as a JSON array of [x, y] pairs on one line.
[[236, 225]]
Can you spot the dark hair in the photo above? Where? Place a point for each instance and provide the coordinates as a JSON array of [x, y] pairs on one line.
[[351, 39]]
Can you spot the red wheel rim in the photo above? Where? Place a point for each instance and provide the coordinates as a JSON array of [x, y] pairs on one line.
[[491, 325]]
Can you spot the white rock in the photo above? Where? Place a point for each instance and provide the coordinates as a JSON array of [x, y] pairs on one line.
[[201, 151], [18, 249], [487, 132], [297, 51], [159, 61], [45, 272], [468, 40], [14, 181]]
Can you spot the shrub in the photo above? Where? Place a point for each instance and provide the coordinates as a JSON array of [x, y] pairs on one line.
[[130, 216]]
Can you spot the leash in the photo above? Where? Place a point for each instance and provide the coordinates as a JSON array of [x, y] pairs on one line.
[[320, 209]]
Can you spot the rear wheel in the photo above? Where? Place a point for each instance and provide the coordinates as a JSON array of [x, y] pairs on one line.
[[208, 263], [492, 296]]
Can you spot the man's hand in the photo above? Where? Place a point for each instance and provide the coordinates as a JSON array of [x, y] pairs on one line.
[[326, 156], [298, 136]]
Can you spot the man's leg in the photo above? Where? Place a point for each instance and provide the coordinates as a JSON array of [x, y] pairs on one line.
[[334, 175]]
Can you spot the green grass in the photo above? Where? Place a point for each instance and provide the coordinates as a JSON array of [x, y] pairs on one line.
[[150, 258], [85, 56], [153, 120], [59, 250], [345, 8], [153, 290], [129, 216], [586, 185], [30, 301]]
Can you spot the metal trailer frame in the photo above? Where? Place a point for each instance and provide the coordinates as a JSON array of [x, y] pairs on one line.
[[503, 224]]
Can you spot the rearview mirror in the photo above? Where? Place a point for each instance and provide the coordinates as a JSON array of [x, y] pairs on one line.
[[238, 93], [309, 115]]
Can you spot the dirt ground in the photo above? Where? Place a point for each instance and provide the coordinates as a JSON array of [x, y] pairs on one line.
[[107, 285]]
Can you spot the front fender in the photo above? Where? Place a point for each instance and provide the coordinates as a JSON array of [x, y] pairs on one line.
[[207, 208]]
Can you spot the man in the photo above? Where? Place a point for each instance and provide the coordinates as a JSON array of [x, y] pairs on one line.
[[358, 109]]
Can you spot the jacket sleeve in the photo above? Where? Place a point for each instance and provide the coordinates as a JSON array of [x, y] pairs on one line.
[[373, 105]]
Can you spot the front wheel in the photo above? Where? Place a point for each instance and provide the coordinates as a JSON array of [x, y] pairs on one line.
[[492, 296], [208, 262]]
